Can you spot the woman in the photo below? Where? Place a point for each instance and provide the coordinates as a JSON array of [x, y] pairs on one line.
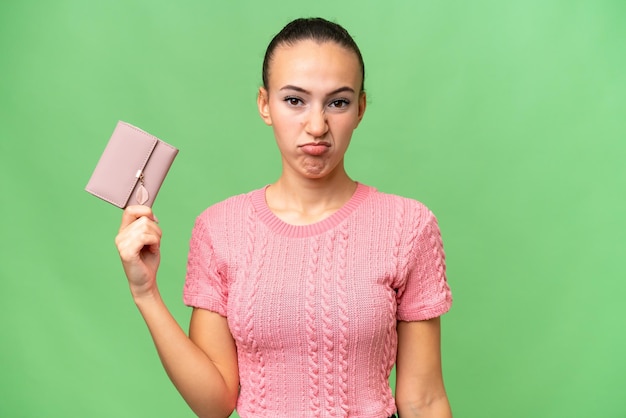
[[305, 292]]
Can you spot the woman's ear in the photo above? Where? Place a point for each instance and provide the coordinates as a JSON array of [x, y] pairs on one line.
[[263, 103], [362, 106]]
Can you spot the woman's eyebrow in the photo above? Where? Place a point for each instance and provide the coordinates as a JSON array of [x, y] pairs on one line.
[[304, 91]]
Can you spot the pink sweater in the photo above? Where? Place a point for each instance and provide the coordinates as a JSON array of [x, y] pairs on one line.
[[313, 308]]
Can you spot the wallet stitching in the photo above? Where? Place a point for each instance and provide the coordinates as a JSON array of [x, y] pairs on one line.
[[104, 198], [150, 135]]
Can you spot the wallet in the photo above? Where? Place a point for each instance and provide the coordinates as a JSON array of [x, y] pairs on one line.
[[132, 167]]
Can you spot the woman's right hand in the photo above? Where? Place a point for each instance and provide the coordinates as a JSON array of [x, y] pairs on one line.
[[138, 242], [203, 365]]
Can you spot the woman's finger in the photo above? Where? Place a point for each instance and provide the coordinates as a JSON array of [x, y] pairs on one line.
[[131, 242], [132, 213], [141, 233]]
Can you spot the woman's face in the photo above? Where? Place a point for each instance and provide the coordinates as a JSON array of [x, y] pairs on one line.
[[313, 103]]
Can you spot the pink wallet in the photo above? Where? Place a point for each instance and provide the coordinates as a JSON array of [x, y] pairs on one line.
[[132, 167]]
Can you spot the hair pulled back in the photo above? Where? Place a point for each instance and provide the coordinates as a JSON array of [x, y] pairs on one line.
[[316, 29]]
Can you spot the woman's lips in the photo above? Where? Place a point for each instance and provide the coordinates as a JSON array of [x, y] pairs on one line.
[[315, 148]]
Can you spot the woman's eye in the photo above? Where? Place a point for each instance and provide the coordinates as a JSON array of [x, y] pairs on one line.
[[293, 101], [339, 104]]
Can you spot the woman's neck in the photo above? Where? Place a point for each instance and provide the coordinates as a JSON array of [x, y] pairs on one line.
[[302, 201]]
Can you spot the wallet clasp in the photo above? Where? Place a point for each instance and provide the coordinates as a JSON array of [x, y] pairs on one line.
[[142, 195]]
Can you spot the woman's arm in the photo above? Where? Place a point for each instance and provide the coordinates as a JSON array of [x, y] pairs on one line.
[[203, 366], [420, 391]]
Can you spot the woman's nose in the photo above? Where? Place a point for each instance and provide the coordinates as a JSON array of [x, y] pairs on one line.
[[316, 124]]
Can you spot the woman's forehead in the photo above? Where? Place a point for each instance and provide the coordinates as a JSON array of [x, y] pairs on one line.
[[308, 61]]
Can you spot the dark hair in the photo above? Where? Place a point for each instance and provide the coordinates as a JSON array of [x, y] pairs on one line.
[[316, 29]]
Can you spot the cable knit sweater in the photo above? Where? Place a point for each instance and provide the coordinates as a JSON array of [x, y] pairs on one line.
[[313, 308]]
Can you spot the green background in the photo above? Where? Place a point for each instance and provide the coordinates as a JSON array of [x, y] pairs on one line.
[[506, 118]]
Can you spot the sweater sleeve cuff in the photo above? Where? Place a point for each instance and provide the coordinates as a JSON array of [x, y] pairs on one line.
[[203, 302], [426, 313]]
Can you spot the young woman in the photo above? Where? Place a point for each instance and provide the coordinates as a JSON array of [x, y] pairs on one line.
[[306, 292]]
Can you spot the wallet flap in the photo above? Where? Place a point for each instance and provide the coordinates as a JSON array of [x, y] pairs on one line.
[[123, 161]]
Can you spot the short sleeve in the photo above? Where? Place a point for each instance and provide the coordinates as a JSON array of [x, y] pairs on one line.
[[425, 294], [205, 287]]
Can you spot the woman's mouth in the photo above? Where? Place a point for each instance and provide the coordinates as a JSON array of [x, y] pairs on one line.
[[315, 148]]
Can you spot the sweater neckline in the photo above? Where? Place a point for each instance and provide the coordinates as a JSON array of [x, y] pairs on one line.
[[279, 226]]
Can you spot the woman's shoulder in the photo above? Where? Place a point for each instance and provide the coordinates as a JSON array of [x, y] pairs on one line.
[[401, 203], [233, 206]]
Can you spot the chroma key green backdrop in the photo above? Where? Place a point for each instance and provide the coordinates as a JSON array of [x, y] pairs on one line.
[[507, 118]]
